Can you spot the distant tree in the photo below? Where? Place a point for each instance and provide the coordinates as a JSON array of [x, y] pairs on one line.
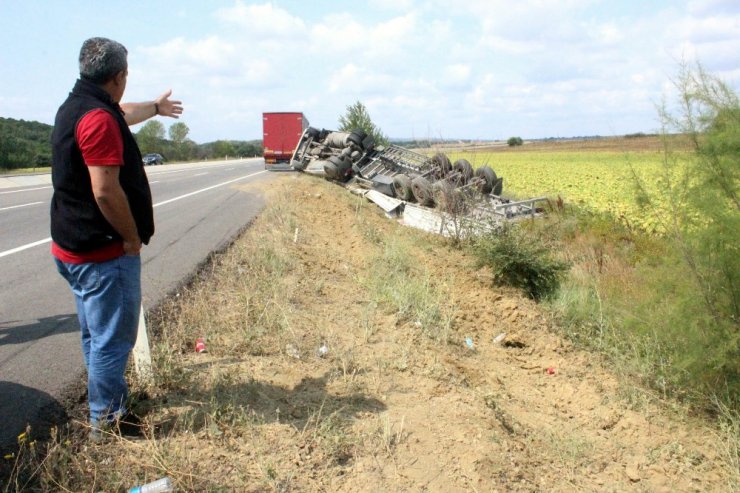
[[223, 148], [150, 137], [24, 144], [247, 148], [178, 133], [358, 118], [515, 141], [189, 150]]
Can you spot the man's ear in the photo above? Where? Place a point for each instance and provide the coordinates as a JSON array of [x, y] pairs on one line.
[[120, 77]]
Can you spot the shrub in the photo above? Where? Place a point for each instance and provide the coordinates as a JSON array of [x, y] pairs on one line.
[[515, 141], [702, 224], [517, 260]]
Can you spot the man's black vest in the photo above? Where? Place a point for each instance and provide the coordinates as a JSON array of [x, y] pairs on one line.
[[77, 225]]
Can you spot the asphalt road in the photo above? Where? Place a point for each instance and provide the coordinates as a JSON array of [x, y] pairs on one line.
[[198, 208]]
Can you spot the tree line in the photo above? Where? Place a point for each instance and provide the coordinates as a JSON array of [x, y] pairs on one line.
[[27, 144], [152, 138], [24, 144]]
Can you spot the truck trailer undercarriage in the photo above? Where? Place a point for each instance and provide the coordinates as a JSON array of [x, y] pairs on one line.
[[455, 191]]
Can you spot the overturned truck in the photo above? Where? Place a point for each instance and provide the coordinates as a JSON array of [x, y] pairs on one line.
[[411, 178]]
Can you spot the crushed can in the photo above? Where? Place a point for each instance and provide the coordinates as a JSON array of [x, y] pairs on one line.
[[200, 345]]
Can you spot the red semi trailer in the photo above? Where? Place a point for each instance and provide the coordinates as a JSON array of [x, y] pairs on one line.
[[281, 132]]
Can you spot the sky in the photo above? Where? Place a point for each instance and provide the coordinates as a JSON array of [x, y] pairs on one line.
[[464, 69]]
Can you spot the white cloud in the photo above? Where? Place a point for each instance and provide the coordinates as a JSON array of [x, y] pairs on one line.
[[181, 57], [709, 29], [457, 75], [341, 35], [608, 34], [264, 19], [712, 7], [354, 80]]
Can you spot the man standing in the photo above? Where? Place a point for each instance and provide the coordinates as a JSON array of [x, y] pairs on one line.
[[101, 213]]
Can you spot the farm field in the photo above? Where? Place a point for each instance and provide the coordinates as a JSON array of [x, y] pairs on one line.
[[593, 174], [600, 181]]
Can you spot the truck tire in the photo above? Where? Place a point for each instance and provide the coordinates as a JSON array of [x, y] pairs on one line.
[[313, 132], [422, 191], [487, 179], [336, 140], [330, 170], [368, 143], [441, 192], [443, 163], [401, 187], [498, 187], [356, 137], [447, 198], [463, 167], [342, 168]]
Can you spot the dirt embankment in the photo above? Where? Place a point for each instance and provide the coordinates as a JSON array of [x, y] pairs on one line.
[[336, 378]]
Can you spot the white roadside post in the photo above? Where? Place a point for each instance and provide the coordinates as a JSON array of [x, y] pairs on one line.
[[142, 355]]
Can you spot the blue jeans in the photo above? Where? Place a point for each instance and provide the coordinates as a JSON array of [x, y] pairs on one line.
[[108, 296]]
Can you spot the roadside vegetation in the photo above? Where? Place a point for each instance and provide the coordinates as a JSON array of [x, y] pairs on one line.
[[653, 247], [26, 146]]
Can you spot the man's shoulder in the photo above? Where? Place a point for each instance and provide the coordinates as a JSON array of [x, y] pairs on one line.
[[97, 121], [99, 138], [97, 117]]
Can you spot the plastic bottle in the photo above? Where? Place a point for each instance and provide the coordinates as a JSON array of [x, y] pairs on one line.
[[163, 485], [469, 342]]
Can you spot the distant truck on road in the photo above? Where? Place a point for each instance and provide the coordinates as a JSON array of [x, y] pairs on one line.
[[281, 132]]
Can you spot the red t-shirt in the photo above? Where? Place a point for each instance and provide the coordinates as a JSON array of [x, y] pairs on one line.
[[101, 143]]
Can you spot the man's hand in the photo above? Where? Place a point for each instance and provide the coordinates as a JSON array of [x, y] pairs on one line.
[[168, 107], [113, 203], [132, 247], [135, 113]]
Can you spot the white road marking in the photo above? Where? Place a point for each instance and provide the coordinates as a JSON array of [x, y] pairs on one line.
[[24, 247], [25, 190], [47, 240], [22, 205], [208, 188], [200, 174]]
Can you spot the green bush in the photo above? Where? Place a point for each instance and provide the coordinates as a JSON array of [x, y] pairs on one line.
[[515, 141], [703, 228], [518, 260]]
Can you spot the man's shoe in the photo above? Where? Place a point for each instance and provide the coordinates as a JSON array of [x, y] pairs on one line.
[[128, 426]]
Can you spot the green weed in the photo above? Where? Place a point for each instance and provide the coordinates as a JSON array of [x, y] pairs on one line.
[[516, 259]]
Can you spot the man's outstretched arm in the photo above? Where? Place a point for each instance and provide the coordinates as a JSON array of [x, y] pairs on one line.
[[138, 112]]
